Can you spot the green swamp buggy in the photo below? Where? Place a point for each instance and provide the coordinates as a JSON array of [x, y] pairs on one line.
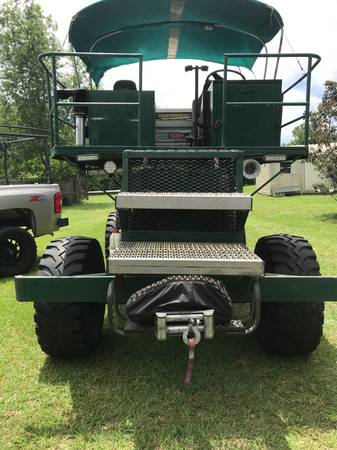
[[177, 260]]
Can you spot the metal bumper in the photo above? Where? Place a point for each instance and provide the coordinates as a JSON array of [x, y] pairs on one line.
[[93, 288]]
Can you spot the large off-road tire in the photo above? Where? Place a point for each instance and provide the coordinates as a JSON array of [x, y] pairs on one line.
[[290, 329], [17, 251], [111, 225], [70, 329]]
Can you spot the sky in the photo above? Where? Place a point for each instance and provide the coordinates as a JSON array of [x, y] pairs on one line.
[[310, 26]]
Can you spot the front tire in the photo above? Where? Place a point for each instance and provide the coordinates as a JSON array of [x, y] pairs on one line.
[[70, 329], [290, 329], [17, 251]]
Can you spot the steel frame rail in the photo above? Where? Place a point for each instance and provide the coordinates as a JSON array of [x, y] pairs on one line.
[[94, 288]]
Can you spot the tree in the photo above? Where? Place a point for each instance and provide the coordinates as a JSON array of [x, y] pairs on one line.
[[25, 33], [324, 134], [298, 135]]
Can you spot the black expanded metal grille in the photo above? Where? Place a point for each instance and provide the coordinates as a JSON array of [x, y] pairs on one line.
[[181, 175], [178, 220]]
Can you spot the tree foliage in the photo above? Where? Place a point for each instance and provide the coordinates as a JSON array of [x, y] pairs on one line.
[[25, 33], [324, 134], [298, 135]]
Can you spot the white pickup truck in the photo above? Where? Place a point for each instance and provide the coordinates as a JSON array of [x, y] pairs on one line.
[[35, 208]]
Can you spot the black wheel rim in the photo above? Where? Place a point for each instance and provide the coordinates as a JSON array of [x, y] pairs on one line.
[[9, 252]]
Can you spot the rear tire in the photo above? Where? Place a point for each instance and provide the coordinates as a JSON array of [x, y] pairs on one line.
[[290, 329], [111, 225], [70, 329], [17, 251]]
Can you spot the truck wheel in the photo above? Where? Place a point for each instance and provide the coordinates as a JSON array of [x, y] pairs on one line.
[[290, 329], [17, 251], [111, 225], [70, 329]]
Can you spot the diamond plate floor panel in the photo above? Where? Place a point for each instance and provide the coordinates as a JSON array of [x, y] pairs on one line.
[[184, 258]]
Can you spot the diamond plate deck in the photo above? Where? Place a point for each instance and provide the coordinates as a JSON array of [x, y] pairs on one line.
[[184, 258], [184, 200]]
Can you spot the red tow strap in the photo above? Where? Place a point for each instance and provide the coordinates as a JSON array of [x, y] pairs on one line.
[[190, 362]]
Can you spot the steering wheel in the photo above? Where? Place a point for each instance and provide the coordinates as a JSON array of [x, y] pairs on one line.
[[215, 75]]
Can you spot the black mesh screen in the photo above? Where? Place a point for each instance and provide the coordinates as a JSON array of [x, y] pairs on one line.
[[180, 220], [181, 175]]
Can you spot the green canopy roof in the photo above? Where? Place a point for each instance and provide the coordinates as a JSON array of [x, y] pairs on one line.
[[169, 29]]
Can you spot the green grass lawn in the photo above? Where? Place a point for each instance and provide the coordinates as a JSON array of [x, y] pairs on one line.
[[129, 395]]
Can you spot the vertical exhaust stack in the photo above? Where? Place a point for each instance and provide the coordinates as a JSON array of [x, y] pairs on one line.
[[80, 128]]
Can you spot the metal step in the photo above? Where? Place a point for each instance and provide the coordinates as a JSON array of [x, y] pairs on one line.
[[216, 201], [172, 258]]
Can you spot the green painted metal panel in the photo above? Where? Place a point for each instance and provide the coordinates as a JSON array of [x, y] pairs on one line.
[[116, 152], [239, 175], [90, 288], [173, 29], [118, 124], [93, 288], [185, 154], [125, 180], [261, 151], [247, 125], [300, 289]]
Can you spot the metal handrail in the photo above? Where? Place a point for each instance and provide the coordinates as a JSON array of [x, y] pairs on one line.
[[96, 103], [16, 127], [267, 103], [313, 61], [53, 83]]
